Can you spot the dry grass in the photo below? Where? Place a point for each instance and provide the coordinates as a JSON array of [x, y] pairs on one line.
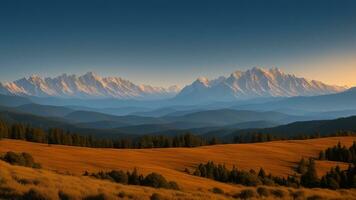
[[278, 157], [50, 184]]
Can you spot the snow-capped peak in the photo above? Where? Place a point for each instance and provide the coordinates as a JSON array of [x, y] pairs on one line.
[[203, 80], [256, 82], [89, 85]]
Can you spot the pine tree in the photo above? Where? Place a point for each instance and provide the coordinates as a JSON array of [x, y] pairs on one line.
[[310, 178]]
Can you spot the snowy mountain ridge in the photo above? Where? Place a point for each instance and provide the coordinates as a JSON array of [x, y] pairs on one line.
[[89, 85], [254, 83], [240, 85]]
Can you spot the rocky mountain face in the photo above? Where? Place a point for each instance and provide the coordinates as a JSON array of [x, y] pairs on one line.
[[254, 83], [89, 85], [240, 85]]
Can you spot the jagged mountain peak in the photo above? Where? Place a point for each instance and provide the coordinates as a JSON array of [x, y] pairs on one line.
[[88, 85], [203, 81], [91, 75], [253, 83]]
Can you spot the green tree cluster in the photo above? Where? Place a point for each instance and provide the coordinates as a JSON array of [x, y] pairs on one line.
[[60, 136], [220, 173], [339, 153], [334, 179], [21, 159], [134, 178]]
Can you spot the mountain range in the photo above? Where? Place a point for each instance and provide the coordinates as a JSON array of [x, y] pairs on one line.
[[89, 85], [253, 83]]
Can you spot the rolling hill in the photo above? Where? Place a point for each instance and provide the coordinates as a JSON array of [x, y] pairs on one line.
[[12, 101], [323, 103], [278, 157], [45, 110], [322, 127]]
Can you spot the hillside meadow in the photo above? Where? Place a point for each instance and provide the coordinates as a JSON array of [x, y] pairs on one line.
[[64, 165]]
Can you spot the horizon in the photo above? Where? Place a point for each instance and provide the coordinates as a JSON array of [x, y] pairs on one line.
[[163, 44], [179, 99], [180, 87]]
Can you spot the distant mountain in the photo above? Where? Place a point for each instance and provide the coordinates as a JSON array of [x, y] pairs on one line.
[[89, 117], [322, 127], [45, 110], [53, 122], [253, 83], [12, 116], [12, 101], [89, 85], [223, 117], [240, 85], [209, 118], [324, 103]]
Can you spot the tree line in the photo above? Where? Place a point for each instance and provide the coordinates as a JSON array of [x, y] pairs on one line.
[[220, 173], [134, 178], [339, 153], [60, 136], [64, 137], [254, 137], [334, 179]]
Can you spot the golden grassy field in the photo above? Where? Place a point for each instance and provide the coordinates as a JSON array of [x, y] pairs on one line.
[[277, 157], [19, 180]]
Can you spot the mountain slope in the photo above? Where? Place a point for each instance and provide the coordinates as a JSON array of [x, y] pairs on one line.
[[331, 102], [12, 101], [322, 127], [87, 116], [89, 85], [45, 110], [253, 83], [223, 117]]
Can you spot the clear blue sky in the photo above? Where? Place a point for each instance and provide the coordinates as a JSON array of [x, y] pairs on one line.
[[173, 42]]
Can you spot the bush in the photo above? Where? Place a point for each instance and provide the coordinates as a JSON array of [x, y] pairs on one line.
[[34, 194], [156, 196], [155, 180], [268, 181], [217, 190], [262, 191], [249, 179], [9, 193], [97, 197], [298, 195], [64, 196], [315, 197], [173, 185], [119, 176], [247, 194], [278, 193], [21, 159], [121, 194]]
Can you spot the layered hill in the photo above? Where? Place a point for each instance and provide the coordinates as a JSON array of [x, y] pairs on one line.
[[331, 102], [304, 128]]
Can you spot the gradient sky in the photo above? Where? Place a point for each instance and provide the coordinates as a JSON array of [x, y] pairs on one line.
[[173, 42]]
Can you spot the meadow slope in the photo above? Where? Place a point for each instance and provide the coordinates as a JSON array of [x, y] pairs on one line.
[[278, 158]]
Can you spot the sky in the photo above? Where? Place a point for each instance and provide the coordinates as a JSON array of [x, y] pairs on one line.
[[168, 42]]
